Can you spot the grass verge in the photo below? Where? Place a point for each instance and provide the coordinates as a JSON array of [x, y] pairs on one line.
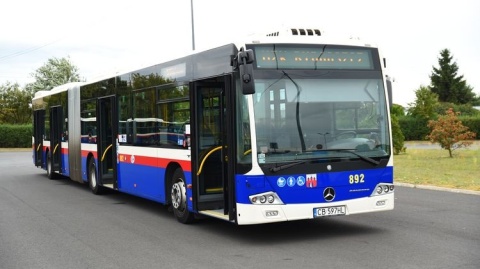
[[434, 167]]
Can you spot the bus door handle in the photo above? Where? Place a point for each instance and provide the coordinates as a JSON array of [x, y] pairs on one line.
[[205, 158], [55, 149], [105, 152]]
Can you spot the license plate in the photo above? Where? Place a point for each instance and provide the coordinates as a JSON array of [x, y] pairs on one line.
[[329, 211]]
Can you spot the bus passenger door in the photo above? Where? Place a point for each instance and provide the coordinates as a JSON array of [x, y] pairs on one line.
[[210, 164], [107, 126], [38, 130], [56, 129]]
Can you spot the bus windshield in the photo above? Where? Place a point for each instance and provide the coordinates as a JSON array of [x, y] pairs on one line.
[[301, 118]]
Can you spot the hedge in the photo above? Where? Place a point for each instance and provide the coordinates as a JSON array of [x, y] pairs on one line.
[[16, 136], [413, 128], [417, 129], [473, 124]]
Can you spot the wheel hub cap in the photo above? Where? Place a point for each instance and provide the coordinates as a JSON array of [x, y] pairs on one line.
[[178, 195]]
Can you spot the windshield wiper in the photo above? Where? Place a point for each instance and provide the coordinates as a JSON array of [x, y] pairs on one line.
[[297, 111], [288, 165], [285, 166], [365, 158]]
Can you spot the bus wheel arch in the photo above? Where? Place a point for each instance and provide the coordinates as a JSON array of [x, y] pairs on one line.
[[178, 196], [87, 163], [168, 181]]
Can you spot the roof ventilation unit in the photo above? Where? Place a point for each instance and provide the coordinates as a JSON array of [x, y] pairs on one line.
[[307, 32]]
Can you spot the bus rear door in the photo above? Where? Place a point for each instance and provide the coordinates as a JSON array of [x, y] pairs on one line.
[[107, 126], [56, 133], [38, 130]]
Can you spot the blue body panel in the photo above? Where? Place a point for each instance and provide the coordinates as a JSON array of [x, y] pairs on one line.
[[141, 180], [65, 165], [84, 169], [308, 188]]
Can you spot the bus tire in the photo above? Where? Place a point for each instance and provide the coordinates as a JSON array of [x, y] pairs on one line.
[[92, 178], [178, 193], [50, 173]]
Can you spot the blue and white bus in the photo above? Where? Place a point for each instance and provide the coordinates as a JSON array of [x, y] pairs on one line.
[[286, 126]]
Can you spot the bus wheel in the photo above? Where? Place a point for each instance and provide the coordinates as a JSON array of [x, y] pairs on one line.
[[179, 198], [92, 177], [50, 173]]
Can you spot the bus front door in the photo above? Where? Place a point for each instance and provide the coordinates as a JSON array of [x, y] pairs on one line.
[[107, 126], [209, 141]]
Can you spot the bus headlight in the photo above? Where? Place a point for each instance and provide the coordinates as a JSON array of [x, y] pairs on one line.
[[383, 188], [265, 198]]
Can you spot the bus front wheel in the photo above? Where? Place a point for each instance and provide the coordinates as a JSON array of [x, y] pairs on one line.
[[179, 198]]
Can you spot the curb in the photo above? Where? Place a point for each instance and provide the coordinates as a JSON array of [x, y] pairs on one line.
[[435, 188]]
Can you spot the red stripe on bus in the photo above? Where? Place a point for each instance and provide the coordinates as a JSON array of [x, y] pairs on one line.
[[86, 152], [153, 161]]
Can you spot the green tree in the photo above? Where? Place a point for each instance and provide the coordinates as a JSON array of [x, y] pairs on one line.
[[449, 132], [14, 104], [397, 136], [464, 109], [447, 84], [397, 110], [425, 104], [53, 73]]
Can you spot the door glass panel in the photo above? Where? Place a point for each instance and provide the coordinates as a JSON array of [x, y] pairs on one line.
[[106, 137], [210, 140], [56, 129], [39, 118]]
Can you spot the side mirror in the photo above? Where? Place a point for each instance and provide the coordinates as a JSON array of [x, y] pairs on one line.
[[244, 61]]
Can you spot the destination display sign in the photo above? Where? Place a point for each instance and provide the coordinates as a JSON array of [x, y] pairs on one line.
[[312, 58]]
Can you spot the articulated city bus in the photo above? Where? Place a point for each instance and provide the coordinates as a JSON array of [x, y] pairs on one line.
[[286, 126]]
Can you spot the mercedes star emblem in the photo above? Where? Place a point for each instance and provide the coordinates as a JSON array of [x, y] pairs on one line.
[[329, 194]]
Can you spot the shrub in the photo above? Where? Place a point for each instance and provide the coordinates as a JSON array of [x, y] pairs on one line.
[[449, 132], [16, 136]]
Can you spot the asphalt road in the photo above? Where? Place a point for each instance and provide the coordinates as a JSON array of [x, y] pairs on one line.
[[61, 224]]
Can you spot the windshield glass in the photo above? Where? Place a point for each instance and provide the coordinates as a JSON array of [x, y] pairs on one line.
[[298, 118]]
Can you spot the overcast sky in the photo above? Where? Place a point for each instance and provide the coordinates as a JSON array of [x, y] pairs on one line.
[[103, 37]]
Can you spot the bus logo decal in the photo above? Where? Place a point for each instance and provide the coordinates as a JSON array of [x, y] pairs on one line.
[[311, 180]]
